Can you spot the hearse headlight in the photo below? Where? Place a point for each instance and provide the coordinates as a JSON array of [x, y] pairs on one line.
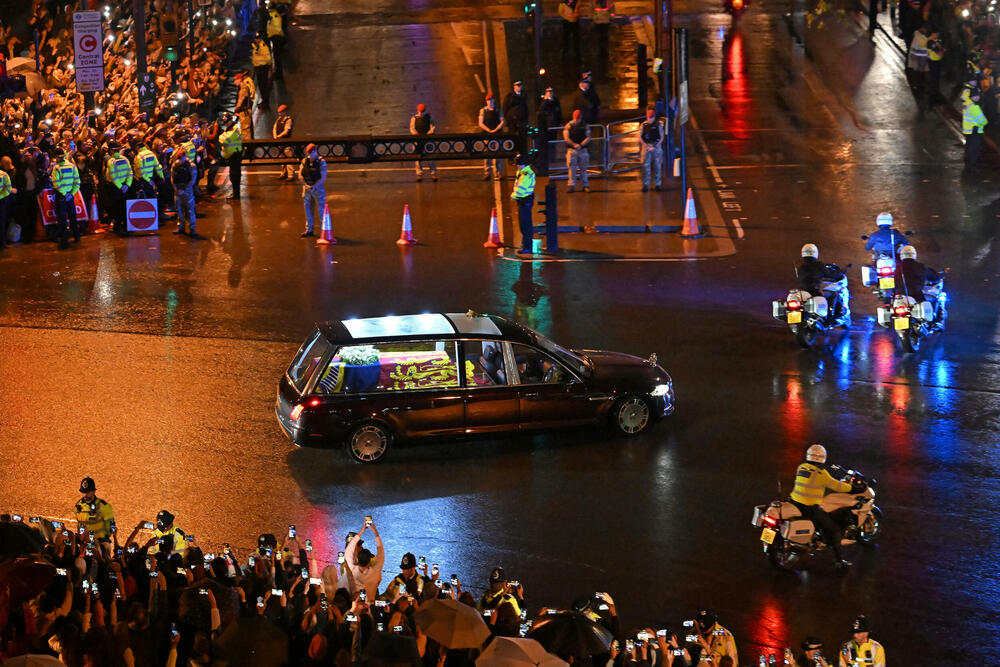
[[662, 390]]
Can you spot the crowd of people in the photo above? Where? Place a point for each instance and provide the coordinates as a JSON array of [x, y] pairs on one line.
[[76, 591], [115, 151]]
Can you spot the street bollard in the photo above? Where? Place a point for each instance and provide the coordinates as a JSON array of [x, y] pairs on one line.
[[551, 219]]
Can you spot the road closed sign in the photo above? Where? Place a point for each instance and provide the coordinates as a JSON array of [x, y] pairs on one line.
[[141, 215]]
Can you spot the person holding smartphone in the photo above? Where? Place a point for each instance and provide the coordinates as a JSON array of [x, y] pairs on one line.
[[714, 640], [409, 581], [502, 591], [365, 567]]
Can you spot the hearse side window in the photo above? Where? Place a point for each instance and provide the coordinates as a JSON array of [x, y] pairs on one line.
[[536, 367], [484, 363], [356, 369], [308, 357]]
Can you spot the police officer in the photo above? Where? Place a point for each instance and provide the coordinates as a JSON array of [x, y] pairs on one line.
[[276, 35], [912, 277], [973, 125], [312, 171], [886, 240], [7, 192], [422, 124], [282, 129], [812, 273], [260, 57], [66, 183], [515, 108], [118, 175], [812, 654], [812, 481], [232, 154], [651, 134], [407, 582], [244, 104], [586, 100], [862, 650], [174, 539], [935, 56], [95, 515], [524, 196], [182, 173], [146, 169], [501, 592], [715, 640], [576, 134], [491, 121]]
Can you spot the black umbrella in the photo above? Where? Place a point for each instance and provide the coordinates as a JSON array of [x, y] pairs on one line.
[[18, 539], [392, 649], [254, 642], [570, 633]]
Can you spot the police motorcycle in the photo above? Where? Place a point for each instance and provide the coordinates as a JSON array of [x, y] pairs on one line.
[[807, 315], [914, 320], [787, 537], [880, 274]]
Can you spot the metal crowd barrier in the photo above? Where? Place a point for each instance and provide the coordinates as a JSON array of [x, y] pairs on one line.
[[615, 148], [597, 148]]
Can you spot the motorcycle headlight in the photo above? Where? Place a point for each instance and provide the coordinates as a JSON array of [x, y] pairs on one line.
[[661, 390]]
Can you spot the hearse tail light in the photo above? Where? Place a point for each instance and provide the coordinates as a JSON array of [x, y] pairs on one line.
[[297, 410]]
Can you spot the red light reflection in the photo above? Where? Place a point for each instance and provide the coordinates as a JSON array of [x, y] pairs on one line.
[[769, 628], [735, 88], [793, 417]]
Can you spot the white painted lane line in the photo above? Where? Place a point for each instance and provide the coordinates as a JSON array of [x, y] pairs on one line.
[[704, 150], [479, 82], [739, 228]]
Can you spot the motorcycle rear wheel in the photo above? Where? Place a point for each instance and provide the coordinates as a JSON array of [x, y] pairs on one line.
[[869, 531], [805, 336], [910, 341], [782, 557]]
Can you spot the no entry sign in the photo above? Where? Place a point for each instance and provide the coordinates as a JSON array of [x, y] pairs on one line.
[[141, 215]]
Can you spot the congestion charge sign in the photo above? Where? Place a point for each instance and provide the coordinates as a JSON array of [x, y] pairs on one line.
[[141, 215], [88, 51]]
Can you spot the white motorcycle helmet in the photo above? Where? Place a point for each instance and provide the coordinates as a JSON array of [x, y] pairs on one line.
[[816, 454], [884, 220], [907, 252], [810, 250]]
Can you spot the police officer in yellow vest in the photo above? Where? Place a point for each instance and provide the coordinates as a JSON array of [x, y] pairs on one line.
[[812, 481], [173, 537], [524, 195], [260, 56], [501, 591], [232, 153], [118, 174], [935, 56], [276, 35], [862, 650], [7, 192], [94, 514], [973, 125], [146, 169], [66, 183]]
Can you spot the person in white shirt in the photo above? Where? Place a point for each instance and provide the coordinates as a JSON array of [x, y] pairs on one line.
[[365, 567]]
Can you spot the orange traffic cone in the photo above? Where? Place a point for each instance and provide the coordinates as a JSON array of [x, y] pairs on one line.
[[691, 229], [326, 235], [406, 234], [494, 239], [94, 222]]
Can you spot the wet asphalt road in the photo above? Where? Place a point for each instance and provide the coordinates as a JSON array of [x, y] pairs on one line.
[[152, 364]]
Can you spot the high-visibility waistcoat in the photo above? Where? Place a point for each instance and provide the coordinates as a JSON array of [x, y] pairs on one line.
[[96, 517], [118, 171], [973, 119], [274, 24], [232, 142], [869, 654], [65, 178], [811, 483], [261, 55], [5, 186], [525, 186], [934, 50], [188, 147], [176, 534], [146, 165]]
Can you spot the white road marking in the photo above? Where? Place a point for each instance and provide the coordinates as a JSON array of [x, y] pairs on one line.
[[739, 228], [479, 82]]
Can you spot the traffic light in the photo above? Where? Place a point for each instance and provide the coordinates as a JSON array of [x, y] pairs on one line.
[[530, 7], [171, 54]]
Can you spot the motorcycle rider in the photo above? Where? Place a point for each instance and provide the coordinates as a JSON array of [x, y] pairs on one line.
[[812, 481], [812, 273], [886, 240], [913, 275], [861, 650]]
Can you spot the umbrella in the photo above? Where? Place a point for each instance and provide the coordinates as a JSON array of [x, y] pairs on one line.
[[26, 577], [451, 623], [515, 652], [34, 660], [20, 65], [254, 642], [18, 539], [570, 633], [34, 83], [392, 649]]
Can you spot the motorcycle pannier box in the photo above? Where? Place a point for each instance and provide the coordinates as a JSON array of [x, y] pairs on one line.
[[868, 276], [817, 305], [799, 531], [778, 309], [884, 316], [924, 311], [758, 514]]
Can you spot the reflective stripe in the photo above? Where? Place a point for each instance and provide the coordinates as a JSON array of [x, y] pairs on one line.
[[525, 183], [972, 118], [66, 179], [5, 187]]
